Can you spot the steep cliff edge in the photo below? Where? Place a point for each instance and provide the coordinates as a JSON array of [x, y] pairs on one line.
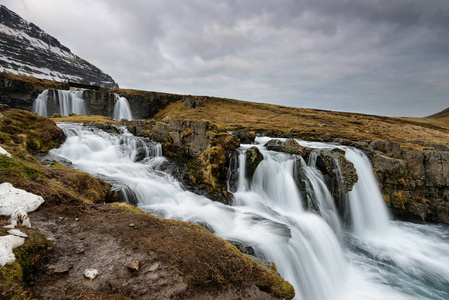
[[415, 185], [26, 49]]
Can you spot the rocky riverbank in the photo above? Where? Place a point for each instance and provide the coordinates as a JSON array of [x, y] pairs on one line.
[[136, 255]]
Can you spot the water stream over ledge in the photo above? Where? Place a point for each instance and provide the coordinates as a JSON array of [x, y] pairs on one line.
[[393, 260]]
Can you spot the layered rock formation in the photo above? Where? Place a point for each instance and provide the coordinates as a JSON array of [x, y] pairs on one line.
[[26, 49], [415, 185], [200, 149]]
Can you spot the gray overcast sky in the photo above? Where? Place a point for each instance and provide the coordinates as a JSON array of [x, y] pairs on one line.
[[385, 57]]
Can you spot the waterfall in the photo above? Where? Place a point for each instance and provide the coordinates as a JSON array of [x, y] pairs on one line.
[[408, 261], [319, 195], [368, 211], [121, 109], [269, 216], [310, 257], [40, 104], [65, 103]]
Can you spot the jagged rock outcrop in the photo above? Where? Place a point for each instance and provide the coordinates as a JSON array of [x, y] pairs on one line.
[[27, 50], [202, 150], [415, 185], [246, 136], [341, 173]]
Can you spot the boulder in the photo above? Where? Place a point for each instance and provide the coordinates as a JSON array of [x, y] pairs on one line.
[[288, 146], [253, 159], [245, 136], [333, 163]]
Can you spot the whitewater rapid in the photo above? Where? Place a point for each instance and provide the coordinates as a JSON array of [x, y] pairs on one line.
[[311, 249]]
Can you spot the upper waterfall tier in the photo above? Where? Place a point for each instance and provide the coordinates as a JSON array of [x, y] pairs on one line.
[[65, 103]]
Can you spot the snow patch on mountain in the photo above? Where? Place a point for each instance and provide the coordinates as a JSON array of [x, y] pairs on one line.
[[25, 49]]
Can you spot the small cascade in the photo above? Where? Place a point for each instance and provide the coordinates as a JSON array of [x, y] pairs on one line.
[[40, 104], [269, 215], [318, 194], [62, 102], [121, 109], [409, 261], [369, 214], [310, 244]]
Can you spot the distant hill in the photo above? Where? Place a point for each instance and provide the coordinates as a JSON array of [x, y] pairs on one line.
[[441, 114], [25, 49]]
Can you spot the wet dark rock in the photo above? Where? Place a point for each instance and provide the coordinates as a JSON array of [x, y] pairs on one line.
[[245, 136], [243, 247], [253, 159], [334, 164], [288, 146]]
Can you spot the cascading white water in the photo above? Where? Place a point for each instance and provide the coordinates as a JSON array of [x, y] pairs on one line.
[[302, 245], [63, 102], [71, 102], [319, 194], [368, 211], [409, 262], [40, 104], [311, 259], [121, 109]]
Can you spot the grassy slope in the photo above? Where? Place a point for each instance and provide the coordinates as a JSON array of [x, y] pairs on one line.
[[233, 114], [207, 263]]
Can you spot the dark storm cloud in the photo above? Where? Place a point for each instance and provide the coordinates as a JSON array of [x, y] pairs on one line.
[[374, 56]]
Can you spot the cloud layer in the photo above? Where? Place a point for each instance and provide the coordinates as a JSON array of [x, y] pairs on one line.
[[372, 56]]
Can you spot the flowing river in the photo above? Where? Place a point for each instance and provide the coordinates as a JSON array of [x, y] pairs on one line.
[[375, 258]]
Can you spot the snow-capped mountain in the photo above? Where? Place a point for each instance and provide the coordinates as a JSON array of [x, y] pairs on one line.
[[27, 50]]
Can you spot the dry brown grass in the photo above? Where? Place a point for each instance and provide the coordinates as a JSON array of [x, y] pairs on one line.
[[233, 114], [85, 119]]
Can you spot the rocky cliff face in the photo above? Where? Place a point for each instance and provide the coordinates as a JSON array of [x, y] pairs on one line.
[[415, 185], [200, 150], [26, 49]]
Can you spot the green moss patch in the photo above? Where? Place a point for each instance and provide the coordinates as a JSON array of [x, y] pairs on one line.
[[15, 278]]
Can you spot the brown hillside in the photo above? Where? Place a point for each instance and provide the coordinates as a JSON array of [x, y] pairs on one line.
[[442, 114], [311, 123]]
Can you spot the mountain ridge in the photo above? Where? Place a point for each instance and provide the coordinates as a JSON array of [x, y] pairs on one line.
[[25, 49]]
